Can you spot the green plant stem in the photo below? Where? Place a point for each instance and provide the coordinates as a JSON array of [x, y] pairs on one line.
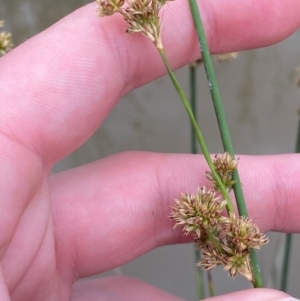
[[288, 236], [215, 94], [213, 240], [286, 262], [199, 278], [206, 154], [217, 102], [193, 97], [211, 286], [196, 132]]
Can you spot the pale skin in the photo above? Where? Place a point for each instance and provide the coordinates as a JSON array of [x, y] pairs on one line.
[[56, 90]]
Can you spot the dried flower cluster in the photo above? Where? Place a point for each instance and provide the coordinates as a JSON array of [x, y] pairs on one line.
[[5, 41], [141, 15], [223, 57], [225, 166], [223, 240]]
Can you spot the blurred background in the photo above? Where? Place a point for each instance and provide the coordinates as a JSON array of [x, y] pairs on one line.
[[261, 102]]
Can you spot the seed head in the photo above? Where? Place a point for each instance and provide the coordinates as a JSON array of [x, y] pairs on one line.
[[223, 240], [199, 211], [109, 7], [239, 263], [243, 234], [223, 57], [225, 165], [5, 41], [142, 16], [210, 257]]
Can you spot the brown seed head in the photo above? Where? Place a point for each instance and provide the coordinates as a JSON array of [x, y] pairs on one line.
[[225, 165], [224, 57], [198, 212], [109, 7], [5, 41], [239, 264], [243, 234], [142, 16]]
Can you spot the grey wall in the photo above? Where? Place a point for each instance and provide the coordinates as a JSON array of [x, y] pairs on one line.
[[261, 103]]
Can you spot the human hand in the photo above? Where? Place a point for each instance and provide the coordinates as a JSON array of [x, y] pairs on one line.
[[56, 89]]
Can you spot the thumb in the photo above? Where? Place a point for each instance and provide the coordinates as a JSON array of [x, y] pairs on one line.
[[259, 294]]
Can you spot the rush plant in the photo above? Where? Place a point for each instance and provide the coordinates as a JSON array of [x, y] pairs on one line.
[[229, 240]]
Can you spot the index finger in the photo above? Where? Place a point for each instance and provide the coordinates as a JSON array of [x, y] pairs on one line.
[[58, 87]]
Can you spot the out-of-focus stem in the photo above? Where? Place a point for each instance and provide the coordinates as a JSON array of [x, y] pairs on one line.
[[211, 286], [193, 97], [288, 237]]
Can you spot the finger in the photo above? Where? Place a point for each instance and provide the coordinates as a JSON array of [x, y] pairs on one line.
[[114, 210], [261, 294], [129, 289], [71, 75], [118, 288]]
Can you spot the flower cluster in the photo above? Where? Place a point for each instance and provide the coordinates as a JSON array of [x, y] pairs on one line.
[[196, 212], [223, 240], [5, 41], [225, 166], [140, 15], [223, 57]]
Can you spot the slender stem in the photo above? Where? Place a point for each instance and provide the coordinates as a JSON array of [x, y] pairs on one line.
[[199, 135], [286, 262], [217, 102], [211, 286], [199, 278], [288, 237], [193, 96], [257, 278], [213, 240]]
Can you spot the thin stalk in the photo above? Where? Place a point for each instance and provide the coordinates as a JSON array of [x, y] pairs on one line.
[[286, 262], [193, 96], [277, 260], [198, 133], [199, 278], [217, 102], [202, 144], [214, 241], [211, 286], [288, 237]]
